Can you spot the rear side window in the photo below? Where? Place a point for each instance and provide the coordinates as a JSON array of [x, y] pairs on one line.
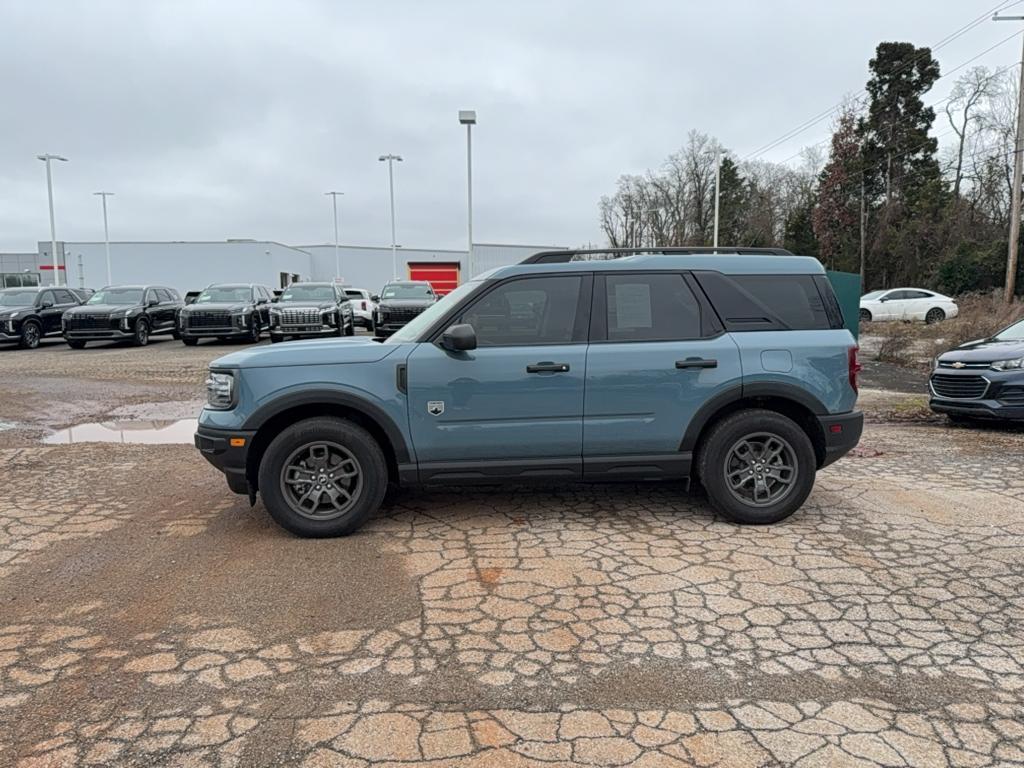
[[650, 308], [766, 302]]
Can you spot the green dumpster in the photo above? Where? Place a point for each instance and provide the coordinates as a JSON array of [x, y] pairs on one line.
[[847, 288]]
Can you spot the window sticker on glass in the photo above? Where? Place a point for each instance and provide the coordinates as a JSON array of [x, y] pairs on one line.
[[633, 305]]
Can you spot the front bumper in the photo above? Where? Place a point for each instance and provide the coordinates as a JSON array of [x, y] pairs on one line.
[[1002, 398], [206, 333], [97, 334], [221, 448], [304, 330], [842, 433], [9, 337]]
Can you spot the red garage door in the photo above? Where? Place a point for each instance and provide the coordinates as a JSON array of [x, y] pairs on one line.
[[444, 276]]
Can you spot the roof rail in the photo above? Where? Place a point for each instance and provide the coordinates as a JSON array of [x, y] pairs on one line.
[[604, 254]]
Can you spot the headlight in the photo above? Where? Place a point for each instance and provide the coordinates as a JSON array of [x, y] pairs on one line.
[[1008, 365], [220, 388]]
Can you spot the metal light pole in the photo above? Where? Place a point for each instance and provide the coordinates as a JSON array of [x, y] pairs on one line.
[[1011, 252], [718, 181], [467, 117], [337, 259], [391, 189], [106, 232], [53, 229]]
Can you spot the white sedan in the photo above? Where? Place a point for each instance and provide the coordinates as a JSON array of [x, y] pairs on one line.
[[907, 304]]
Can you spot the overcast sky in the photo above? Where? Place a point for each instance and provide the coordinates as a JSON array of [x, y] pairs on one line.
[[222, 119]]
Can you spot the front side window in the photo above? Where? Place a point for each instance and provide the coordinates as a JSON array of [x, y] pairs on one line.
[[650, 308], [416, 327], [65, 297], [407, 291], [225, 293], [536, 310], [308, 292]]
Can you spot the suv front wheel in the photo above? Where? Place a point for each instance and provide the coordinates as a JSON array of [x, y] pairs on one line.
[[757, 466], [323, 477]]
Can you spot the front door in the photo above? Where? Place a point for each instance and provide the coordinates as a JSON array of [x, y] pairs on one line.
[[656, 356], [514, 405]]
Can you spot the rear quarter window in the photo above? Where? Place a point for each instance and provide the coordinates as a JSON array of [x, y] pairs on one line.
[[768, 302]]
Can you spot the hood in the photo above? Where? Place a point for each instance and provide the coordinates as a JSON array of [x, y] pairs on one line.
[[230, 306], [984, 351], [413, 303], [335, 351], [6, 312], [305, 305], [100, 309]]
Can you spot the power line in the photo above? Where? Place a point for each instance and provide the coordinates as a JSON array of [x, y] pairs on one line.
[[828, 112]]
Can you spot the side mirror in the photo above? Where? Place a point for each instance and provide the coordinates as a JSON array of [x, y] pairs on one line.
[[375, 297], [152, 302], [46, 305], [459, 338]]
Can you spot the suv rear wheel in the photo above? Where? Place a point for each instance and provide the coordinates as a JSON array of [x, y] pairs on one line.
[[323, 477], [757, 466]]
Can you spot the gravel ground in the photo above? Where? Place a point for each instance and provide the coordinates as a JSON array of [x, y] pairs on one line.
[[150, 617]]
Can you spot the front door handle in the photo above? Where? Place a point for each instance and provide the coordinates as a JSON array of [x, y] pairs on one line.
[[696, 362], [548, 368]]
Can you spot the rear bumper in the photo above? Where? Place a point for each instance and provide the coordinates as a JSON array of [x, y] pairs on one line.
[[842, 433], [216, 447]]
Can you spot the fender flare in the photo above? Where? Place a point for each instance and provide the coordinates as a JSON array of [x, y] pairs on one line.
[[330, 396], [775, 389]]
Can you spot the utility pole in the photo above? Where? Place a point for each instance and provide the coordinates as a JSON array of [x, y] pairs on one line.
[[467, 117], [1011, 250], [106, 232], [337, 259], [718, 181], [390, 158], [53, 229]]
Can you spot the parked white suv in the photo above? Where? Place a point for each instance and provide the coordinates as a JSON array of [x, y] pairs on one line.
[[907, 304], [363, 306]]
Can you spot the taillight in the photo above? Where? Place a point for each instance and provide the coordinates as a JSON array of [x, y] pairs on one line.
[[853, 366]]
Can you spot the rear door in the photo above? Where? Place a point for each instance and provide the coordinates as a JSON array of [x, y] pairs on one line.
[[916, 304], [657, 354], [514, 405]]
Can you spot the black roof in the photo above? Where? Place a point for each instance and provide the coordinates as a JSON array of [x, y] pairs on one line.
[[600, 254]]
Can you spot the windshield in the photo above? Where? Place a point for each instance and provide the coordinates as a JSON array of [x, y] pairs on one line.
[[116, 296], [300, 292], [407, 291], [872, 295], [1014, 333], [17, 298], [415, 327], [225, 293]]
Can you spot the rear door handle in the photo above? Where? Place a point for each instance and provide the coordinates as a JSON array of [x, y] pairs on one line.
[[696, 362], [548, 368]]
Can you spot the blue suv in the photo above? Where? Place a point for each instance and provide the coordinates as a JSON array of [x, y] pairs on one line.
[[727, 366]]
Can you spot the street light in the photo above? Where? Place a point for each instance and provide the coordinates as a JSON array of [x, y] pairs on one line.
[[53, 229], [391, 189], [337, 260], [467, 117], [106, 232]]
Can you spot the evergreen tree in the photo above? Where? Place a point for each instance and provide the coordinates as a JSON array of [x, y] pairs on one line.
[[835, 217]]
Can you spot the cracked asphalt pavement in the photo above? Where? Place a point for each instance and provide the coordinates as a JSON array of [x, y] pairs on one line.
[[150, 617]]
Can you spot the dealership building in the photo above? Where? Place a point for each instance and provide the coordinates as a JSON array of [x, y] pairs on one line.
[[191, 265]]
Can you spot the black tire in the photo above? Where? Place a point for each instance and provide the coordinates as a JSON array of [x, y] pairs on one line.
[[334, 435], [934, 315], [865, 316], [254, 332], [76, 343], [140, 337], [274, 338], [31, 333], [189, 341], [718, 460], [350, 329]]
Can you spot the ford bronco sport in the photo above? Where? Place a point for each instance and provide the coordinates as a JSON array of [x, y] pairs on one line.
[[727, 366]]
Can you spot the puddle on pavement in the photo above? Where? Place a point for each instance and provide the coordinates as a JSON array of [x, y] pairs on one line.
[[5, 425], [149, 432]]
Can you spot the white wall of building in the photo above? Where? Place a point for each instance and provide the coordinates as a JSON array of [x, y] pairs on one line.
[[187, 266], [191, 266]]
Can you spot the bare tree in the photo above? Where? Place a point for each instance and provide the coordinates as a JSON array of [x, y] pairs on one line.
[[969, 94]]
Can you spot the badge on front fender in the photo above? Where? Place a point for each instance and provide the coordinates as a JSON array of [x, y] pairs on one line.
[[435, 407]]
